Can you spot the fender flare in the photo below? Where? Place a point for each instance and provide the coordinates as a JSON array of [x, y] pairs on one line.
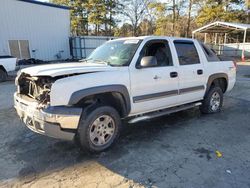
[[79, 95], [212, 77]]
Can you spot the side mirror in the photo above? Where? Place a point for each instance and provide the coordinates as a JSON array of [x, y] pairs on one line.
[[148, 61]]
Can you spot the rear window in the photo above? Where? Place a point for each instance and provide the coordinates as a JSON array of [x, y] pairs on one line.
[[210, 55], [187, 53]]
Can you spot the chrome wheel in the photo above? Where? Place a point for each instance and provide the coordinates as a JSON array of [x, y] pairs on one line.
[[102, 130], [215, 101]]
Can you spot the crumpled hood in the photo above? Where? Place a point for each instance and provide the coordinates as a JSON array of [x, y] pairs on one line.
[[59, 69]]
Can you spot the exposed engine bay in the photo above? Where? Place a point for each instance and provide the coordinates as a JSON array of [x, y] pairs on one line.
[[37, 88]]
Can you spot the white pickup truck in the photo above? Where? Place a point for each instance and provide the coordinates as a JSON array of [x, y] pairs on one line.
[[130, 79], [7, 64]]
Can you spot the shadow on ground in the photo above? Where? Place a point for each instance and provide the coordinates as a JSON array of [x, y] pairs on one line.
[[173, 149], [177, 150]]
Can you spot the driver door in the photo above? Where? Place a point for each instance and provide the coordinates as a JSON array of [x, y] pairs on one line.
[[154, 88]]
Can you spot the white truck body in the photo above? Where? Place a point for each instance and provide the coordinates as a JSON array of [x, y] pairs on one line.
[[8, 63], [147, 89]]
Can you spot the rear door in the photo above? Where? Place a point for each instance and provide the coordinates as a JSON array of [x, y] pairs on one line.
[[191, 71]]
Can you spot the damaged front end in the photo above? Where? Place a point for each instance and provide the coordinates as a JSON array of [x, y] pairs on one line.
[[37, 88], [32, 103]]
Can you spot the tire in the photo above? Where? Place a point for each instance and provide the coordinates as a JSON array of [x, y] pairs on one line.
[[3, 75], [98, 129], [213, 101]]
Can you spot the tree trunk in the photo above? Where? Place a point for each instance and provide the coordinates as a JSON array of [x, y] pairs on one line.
[[134, 31], [96, 29], [189, 17], [248, 13], [174, 7], [110, 22], [87, 24], [106, 26]]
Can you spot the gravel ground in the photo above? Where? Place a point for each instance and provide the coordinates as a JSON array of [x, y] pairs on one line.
[[177, 150]]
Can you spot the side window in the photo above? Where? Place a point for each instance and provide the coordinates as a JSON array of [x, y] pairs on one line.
[[210, 55], [187, 53], [159, 49]]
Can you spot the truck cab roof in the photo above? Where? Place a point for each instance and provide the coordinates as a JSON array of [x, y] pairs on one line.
[[151, 37]]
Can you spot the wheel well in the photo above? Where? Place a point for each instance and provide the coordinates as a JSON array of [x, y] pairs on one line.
[[114, 99], [1, 67], [220, 82]]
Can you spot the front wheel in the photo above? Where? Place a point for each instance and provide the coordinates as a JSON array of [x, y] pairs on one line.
[[99, 128], [213, 101]]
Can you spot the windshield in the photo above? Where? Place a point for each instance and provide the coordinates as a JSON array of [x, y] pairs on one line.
[[115, 53]]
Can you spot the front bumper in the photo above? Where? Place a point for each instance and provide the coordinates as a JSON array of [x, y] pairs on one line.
[[57, 122]]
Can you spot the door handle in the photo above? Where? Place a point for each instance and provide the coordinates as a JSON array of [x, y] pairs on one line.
[[156, 77], [173, 74], [200, 71]]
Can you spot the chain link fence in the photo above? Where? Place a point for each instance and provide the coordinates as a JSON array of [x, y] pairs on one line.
[[232, 49]]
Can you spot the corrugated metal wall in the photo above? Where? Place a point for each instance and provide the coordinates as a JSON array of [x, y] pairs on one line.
[[82, 46], [46, 28]]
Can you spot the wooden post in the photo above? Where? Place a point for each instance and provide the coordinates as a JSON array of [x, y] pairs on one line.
[[215, 41], [225, 41], [243, 47], [205, 38]]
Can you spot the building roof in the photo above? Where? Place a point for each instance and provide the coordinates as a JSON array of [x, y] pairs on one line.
[[46, 4], [222, 27]]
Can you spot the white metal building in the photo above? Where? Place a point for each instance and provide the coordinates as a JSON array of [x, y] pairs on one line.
[[32, 29]]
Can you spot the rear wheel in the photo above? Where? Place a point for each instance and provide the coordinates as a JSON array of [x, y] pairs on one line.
[[3, 75], [213, 101], [99, 129]]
